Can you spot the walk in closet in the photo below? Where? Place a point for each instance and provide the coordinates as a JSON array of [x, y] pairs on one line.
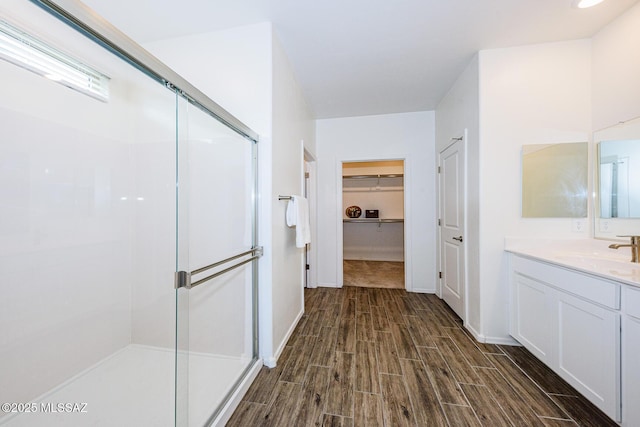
[[373, 223]]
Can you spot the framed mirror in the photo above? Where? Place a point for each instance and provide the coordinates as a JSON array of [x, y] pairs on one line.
[[618, 170], [617, 180], [555, 180]]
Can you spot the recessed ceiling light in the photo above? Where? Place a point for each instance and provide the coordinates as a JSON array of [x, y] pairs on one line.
[[583, 4]]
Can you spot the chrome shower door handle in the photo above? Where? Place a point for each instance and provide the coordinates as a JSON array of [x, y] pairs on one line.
[[183, 278], [459, 239]]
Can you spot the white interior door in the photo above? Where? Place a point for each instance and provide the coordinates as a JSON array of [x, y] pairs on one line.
[[452, 243]]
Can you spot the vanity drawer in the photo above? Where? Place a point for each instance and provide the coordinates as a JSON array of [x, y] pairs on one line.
[[632, 301], [590, 288]]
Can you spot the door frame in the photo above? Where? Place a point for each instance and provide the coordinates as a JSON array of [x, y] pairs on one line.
[[309, 164], [460, 136], [408, 282]]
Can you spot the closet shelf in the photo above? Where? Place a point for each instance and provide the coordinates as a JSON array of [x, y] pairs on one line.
[[367, 183], [373, 220]]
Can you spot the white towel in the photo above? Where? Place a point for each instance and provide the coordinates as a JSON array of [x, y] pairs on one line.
[[298, 217]]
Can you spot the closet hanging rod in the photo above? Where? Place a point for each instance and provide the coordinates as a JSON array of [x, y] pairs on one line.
[[284, 197]]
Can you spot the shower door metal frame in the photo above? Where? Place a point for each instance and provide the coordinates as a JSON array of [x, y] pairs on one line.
[[81, 18]]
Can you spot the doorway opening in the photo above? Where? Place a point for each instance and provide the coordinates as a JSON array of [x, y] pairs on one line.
[[309, 186], [373, 224]]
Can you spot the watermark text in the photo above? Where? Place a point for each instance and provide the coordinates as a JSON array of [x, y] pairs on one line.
[[49, 407]]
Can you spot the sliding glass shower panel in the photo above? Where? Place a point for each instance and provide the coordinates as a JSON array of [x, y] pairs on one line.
[[112, 183], [87, 239], [216, 185]]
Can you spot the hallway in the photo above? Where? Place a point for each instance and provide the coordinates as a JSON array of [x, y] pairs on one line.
[[374, 357]]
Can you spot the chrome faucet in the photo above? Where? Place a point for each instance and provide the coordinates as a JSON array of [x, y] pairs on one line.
[[634, 245]]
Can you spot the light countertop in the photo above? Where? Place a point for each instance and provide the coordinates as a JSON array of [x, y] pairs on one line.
[[586, 255]]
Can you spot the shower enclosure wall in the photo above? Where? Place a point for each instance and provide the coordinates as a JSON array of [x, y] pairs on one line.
[[101, 203]]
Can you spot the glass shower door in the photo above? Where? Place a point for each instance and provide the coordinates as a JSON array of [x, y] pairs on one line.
[[216, 265], [102, 199], [87, 233]]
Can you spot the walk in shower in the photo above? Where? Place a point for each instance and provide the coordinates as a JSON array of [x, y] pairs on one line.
[[127, 231]]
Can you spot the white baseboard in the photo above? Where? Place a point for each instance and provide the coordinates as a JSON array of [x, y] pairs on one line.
[[502, 341], [490, 340], [328, 285], [478, 336], [422, 291], [273, 360]]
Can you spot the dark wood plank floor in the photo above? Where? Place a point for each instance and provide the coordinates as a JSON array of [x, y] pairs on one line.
[[385, 357]]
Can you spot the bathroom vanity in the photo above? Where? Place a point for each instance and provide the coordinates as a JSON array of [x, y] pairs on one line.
[[575, 304]]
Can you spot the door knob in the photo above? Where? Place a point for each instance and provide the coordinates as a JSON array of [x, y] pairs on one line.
[[459, 239]]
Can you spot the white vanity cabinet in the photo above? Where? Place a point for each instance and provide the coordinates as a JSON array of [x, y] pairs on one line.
[[531, 316], [631, 357], [570, 321], [588, 350]]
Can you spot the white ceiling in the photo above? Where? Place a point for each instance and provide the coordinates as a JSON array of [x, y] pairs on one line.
[[362, 57]]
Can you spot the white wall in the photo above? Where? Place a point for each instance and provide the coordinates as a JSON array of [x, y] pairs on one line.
[[459, 110], [245, 71], [408, 136], [232, 67], [616, 67], [373, 242], [293, 127], [528, 95]]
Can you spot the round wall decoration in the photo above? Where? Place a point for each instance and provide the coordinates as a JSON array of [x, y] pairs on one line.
[[353, 211]]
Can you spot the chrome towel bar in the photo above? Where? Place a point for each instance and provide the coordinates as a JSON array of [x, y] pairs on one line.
[[183, 278]]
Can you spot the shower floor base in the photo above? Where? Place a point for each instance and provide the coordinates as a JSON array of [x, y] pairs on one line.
[[134, 387]]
